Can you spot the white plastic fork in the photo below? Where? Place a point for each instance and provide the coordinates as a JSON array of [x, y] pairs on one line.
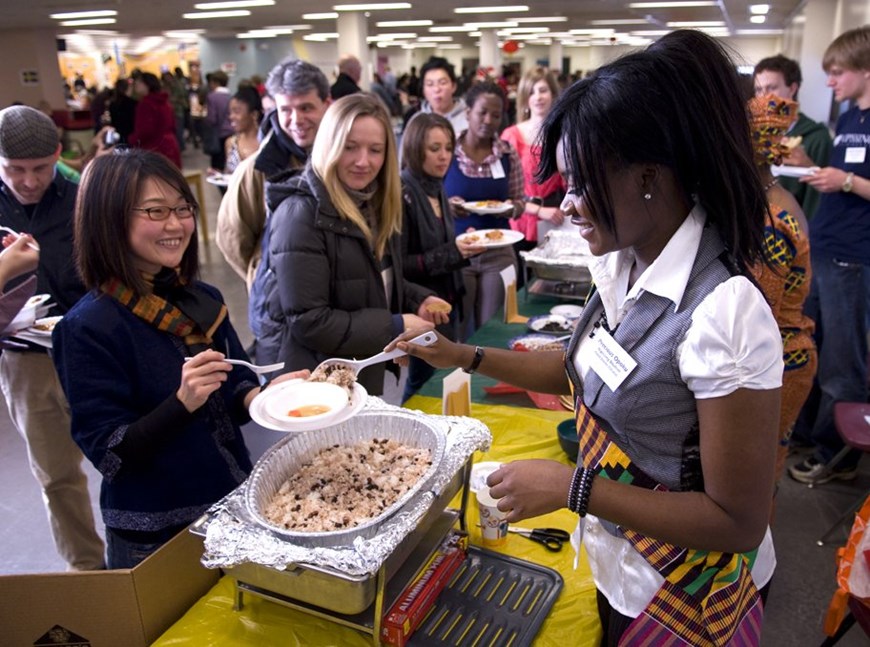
[[356, 365], [8, 230], [268, 368]]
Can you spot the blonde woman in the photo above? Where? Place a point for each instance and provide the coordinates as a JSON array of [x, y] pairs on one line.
[[535, 96], [331, 272]]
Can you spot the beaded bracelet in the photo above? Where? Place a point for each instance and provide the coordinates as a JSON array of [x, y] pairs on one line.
[[574, 489], [581, 488]]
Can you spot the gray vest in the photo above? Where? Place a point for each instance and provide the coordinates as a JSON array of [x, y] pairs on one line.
[[652, 417]]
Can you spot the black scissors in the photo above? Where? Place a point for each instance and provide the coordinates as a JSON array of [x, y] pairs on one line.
[[551, 538]]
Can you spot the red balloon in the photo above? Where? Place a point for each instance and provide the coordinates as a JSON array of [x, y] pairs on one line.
[[510, 46]]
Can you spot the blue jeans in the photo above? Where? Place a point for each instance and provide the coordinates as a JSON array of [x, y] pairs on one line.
[[123, 553], [839, 294]]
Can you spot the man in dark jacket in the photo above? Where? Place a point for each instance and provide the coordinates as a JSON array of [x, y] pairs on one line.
[[37, 200], [349, 74], [782, 76], [301, 93]]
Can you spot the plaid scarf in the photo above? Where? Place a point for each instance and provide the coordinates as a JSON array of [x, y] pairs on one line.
[[708, 597], [195, 318]]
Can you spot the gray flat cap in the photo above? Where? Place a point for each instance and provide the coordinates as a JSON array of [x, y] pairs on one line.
[[26, 133]]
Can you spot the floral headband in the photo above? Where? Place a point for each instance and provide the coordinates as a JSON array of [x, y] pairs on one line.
[[770, 117]]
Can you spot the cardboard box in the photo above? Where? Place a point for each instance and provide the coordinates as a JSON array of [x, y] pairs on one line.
[[129, 607]]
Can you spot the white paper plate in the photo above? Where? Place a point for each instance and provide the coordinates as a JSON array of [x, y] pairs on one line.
[[219, 180], [793, 171], [482, 208], [279, 403], [538, 324], [509, 237], [261, 416]]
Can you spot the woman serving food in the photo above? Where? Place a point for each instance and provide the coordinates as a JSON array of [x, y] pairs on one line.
[[676, 363], [164, 432]]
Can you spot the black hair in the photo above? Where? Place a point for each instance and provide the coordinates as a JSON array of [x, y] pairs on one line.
[[484, 87], [437, 63], [151, 82], [790, 70], [677, 104], [251, 98]]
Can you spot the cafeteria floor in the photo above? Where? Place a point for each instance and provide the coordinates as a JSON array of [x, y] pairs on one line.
[[801, 588]]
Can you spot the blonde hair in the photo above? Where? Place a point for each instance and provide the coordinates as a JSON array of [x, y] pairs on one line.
[[527, 84], [326, 152], [850, 50]]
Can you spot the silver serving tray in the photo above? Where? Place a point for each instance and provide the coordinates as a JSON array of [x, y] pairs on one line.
[[561, 256], [340, 592], [290, 454]]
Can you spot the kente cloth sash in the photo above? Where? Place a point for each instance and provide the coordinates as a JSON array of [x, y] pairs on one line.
[[165, 316], [708, 598]]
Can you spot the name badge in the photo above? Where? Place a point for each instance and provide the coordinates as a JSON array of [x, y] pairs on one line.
[[608, 359], [856, 155], [497, 169]]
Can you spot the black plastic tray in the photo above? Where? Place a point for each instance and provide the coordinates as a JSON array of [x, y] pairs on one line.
[[491, 600]]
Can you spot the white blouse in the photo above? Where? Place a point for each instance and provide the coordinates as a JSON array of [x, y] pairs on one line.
[[733, 342]]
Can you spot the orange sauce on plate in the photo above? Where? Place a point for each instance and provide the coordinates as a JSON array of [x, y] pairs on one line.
[[308, 410]]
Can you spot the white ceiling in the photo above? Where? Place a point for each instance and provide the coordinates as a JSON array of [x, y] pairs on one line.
[[138, 19]]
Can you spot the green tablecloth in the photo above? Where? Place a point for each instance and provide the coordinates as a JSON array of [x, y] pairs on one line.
[[496, 333]]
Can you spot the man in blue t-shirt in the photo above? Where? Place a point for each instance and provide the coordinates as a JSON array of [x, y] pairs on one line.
[[840, 239]]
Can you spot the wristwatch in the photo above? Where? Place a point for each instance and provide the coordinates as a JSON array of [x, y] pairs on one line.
[[847, 183], [475, 362]]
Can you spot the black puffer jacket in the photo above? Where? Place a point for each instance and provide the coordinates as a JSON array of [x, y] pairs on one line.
[[321, 286]]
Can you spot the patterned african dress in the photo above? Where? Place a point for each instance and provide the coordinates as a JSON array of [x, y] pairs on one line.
[[786, 287]]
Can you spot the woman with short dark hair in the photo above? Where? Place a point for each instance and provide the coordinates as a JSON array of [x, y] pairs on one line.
[[164, 432]]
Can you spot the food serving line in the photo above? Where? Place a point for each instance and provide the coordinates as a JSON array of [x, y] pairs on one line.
[[271, 606]]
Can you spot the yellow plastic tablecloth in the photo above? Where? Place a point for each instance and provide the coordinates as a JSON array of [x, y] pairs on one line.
[[517, 433]]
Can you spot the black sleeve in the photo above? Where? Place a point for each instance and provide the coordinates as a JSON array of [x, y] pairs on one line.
[[146, 436]]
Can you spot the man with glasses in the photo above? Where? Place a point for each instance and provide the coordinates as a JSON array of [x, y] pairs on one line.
[[301, 94], [37, 200], [439, 87]]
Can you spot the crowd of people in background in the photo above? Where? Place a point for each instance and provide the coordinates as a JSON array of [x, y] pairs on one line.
[[348, 237]]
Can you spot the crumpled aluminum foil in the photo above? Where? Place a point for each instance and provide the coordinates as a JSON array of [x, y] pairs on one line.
[[566, 248], [234, 537]]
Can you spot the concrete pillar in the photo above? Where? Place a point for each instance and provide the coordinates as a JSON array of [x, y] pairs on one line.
[[31, 50], [352, 34], [556, 57], [489, 55], [814, 96]]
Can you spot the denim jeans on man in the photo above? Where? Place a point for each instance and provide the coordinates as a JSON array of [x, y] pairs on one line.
[[839, 297]]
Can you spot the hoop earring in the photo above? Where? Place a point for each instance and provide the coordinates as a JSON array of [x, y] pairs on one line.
[[647, 196]]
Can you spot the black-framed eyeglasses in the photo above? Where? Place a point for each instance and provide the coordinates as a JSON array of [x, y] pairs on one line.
[[181, 212]]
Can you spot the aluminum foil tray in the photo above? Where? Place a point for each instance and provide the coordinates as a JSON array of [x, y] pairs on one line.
[[562, 256], [234, 536], [287, 456]]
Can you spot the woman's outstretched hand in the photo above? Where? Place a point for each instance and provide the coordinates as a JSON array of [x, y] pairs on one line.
[[530, 488], [441, 354]]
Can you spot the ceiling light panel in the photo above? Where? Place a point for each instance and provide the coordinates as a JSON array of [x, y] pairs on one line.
[[236, 13], [72, 15], [476, 10], [405, 23], [374, 6], [88, 21], [235, 4]]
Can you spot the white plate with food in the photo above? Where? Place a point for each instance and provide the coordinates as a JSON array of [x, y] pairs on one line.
[[492, 237], [793, 171], [44, 327], [537, 343], [550, 325], [296, 405], [567, 310], [488, 207]]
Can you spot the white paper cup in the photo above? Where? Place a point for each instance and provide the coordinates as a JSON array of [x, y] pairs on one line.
[[493, 522]]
